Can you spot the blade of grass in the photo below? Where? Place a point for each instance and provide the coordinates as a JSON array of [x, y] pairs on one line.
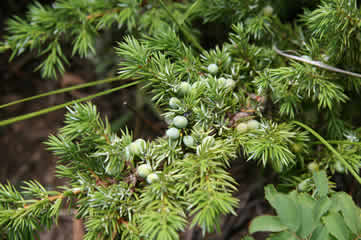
[[338, 142], [333, 150], [57, 107], [85, 85]]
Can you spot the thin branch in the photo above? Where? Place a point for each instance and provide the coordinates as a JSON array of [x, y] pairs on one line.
[[101, 14], [315, 63]]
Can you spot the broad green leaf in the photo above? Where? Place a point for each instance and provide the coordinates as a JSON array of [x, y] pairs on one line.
[[266, 224], [288, 211], [320, 233], [283, 236], [336, 206], [321, 208], [321, 181], [337, 227], [286, 208], [308, 223], [270, 192], [350, 212]]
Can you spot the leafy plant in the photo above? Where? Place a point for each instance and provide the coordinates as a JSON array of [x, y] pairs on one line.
[[322, 215]]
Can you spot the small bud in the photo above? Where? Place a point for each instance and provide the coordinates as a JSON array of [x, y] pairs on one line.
[[268, 11], [325, 57], [226, 83], [188, 141], [212, 68], [127, 153], [209, 140], [172, 133], [168, 120], [153, 177], [302, 186], [174, 102], [313, 166], [184, 88], [230, 83], [252, 124], [198, 84], [144, 170], [137, 147], [296, 147], [242, 127], [306, 57], [180, 122], [339, 167], [221, 81]]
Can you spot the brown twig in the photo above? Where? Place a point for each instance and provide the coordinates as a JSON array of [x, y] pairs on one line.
[[98, 181], [100, 14], [54, 198]]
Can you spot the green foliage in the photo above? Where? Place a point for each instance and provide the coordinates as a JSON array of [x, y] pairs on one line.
[[47, 29], [103, 177], [302, 216], [337, 24], [272, 142], [219, 92]]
